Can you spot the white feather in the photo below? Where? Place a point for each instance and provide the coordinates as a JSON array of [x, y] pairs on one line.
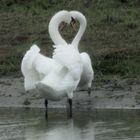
[[57, 77], [65, 80], [87, 73]]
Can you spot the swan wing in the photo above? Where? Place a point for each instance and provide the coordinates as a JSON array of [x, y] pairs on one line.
[[28, 71], [29, 57], [87, 65], [44, 65], [87, 72]]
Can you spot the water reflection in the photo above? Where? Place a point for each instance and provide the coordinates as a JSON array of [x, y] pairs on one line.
[[59, 130], [20, 124]]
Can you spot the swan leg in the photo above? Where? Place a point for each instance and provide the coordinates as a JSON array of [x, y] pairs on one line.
[[70, 107], [89, 91], [46, 105]]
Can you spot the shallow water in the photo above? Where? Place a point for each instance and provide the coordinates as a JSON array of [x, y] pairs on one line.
[[30, 124]]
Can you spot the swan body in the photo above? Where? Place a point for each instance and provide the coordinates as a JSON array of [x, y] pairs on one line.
[[87, 73], [63, 82]]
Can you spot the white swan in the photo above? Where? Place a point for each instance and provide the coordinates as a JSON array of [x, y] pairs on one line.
[[34, 65], [58, 77], [87, 73], [61, 82]]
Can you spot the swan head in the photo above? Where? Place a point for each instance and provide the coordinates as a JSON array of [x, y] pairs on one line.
[[78, 16], [67, 18], [63, 15]]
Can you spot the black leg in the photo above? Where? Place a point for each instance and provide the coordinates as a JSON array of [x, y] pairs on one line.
[[70, 107], [46, 105], [89, 91]]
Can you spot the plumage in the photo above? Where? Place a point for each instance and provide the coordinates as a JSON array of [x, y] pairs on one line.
[[87, 70], [56, 77], [27, 68], [63, 82]]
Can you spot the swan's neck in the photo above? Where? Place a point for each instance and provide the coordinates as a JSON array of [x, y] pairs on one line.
[[82, 20], [54, 28]]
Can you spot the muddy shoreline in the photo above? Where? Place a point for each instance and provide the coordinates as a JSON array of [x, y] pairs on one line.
[[109, 94]]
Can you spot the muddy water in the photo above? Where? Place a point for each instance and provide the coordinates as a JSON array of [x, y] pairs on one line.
[[30, 124]]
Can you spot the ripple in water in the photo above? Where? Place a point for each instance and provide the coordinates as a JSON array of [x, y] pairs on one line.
[[22, 124]]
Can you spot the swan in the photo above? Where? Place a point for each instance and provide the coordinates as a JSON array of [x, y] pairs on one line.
[[61, 82], [57, 77], [33, 62], [87, 72]]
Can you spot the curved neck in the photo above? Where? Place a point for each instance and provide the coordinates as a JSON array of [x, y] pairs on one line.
[[54, 27], [82, 20]]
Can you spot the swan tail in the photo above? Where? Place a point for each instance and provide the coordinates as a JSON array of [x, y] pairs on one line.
[[27, 68]]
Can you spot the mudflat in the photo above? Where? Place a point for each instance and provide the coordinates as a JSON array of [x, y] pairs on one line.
[[106, 94]]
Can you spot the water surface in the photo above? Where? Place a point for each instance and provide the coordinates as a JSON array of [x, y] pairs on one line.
[[30, 124]]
